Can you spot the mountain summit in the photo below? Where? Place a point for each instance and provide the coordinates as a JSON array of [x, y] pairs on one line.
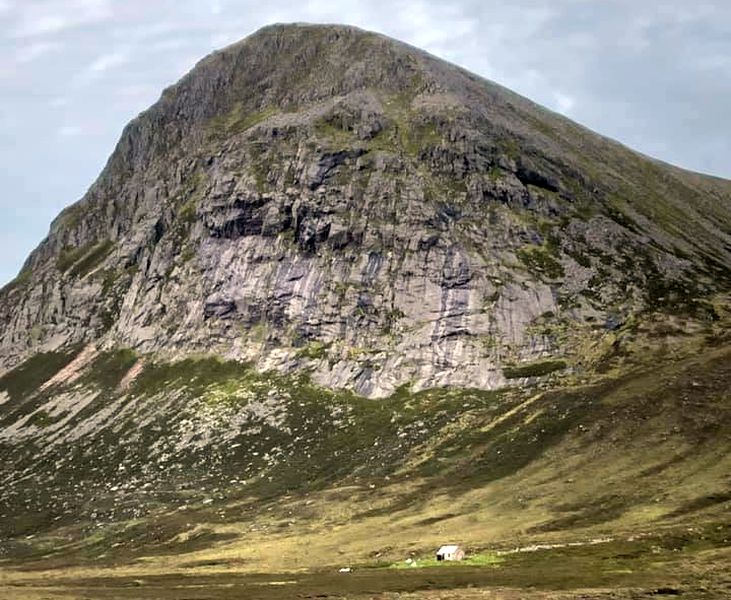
[[331, 292]]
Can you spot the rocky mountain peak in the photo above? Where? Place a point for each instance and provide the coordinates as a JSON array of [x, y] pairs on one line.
[[280, 68], [328, 200]]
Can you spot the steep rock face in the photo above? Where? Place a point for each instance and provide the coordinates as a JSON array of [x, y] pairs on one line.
[[328, 199]]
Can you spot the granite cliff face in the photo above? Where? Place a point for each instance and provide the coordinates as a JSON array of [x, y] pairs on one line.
[[330, 200]]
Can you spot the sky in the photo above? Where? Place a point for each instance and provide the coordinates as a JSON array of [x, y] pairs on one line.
[[655, 75]]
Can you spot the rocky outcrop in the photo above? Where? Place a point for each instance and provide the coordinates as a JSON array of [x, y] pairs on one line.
[[329, 200]]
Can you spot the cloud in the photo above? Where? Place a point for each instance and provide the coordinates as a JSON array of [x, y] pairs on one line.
[[714, 62], [103, 63], [167, 45], [144, 32], [38, 19], [69, 131], [108, 61], [425, 21], [30, 52], [563, 102], [59, 102], [44, 24]]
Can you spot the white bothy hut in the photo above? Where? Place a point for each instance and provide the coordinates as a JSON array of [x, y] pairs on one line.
[[450, 552]]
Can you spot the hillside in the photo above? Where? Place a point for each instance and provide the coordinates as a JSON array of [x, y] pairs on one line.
[[333, 300]]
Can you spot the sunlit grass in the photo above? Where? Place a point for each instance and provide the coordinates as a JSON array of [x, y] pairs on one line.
[[484, 559]]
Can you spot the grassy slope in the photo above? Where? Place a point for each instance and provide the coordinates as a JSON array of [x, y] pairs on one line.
[[642, 454]]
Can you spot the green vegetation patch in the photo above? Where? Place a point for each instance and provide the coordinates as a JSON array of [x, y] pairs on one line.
[[109, 278], [702, 503], [621, 218], [580, 257], [314, 350], [416, 137], [327, 435], [78, 262], [483, 559], [678, 296], [21, 280], [188, 199], [495, 173], [41, 419], [334, 129], [188, 211], [26, 378], [194, 374], [259, 168], [238, 120], [68, 256], [538, 259], [510, 148], [592, 511], [72, 215], [108, 369], [536, 369]]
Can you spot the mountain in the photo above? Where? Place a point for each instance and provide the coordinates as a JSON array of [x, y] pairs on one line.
[[329, 280], [329, 198]]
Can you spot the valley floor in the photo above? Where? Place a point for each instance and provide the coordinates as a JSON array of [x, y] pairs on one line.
[[690, 564]]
